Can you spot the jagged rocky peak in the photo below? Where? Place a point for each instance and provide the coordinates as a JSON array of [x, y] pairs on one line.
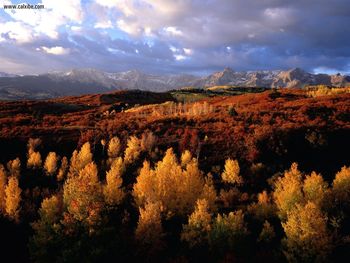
[[228, 70]]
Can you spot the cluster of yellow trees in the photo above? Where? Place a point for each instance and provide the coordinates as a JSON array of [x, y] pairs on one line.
[[172, 108], [321, 90], [176, 188]]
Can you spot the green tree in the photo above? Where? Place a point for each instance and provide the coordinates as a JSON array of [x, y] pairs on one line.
[[228, 233], [196, 232], [48, 234]]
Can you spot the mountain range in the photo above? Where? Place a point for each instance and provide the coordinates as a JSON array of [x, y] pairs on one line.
[[85, 81]]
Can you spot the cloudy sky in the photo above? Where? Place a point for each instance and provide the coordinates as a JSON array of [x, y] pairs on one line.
[[176, 36]]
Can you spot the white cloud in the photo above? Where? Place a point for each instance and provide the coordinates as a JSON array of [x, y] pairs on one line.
[[104, 24], [16, 31], [174, 49], [130, 28], [172, 30], [180, 57], [76, 28], [56, 50], [188, 51], [47, 21]]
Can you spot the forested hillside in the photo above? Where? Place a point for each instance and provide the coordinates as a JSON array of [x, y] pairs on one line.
[[141, 176]]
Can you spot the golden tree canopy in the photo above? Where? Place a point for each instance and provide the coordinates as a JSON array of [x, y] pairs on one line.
[[231, 172], [176, 188], [50, 164], [315, 188], [113, 191], [80, 159], [288, 190], [14, 167], [13, 198], [82, 195], [341, 184], [307, 237], [114, 147], [3, 183], [132, 150]]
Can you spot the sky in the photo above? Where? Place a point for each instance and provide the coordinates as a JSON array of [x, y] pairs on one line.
[[176, 36]]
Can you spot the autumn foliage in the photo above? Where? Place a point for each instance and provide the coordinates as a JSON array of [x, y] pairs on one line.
[[179, 182]]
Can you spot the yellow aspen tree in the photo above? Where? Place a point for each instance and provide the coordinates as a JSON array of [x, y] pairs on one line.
[[14, 167], [80, 159], [196, 232], [34, 159], [83, 197], [13, 198], [145, 187], [315, 188], [231, 172], [50, 164], [114, 148], [33, 143], [186, 157], [288, 190], [341, 185], [3, 183], [133, 150], [168, 175], [191, 185], [307, 238], [113, 190], [62, 172], [149, 232], [168, 183], [209, 193]]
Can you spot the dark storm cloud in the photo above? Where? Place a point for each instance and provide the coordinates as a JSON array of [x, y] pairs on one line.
[[187, 36]]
